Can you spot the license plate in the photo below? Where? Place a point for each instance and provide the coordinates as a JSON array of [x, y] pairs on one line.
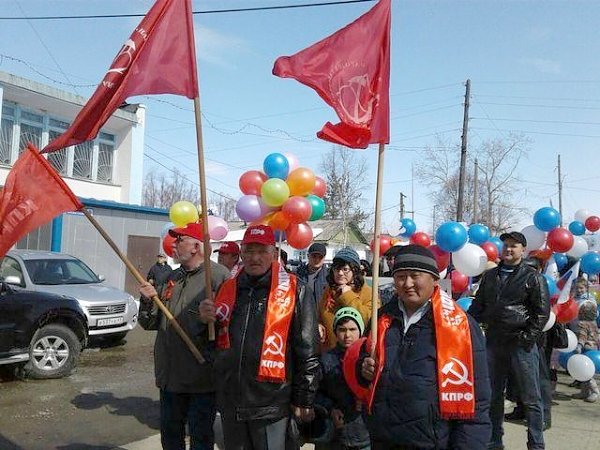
[[111, 321]]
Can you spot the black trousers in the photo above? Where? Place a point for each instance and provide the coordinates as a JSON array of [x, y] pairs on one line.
[[263, 434]]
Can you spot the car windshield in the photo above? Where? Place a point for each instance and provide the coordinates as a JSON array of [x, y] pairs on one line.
[[59, 271]]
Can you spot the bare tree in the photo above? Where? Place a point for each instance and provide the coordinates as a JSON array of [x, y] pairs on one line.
[[345, 173], [161, 191], [498, 181], [222, 206]]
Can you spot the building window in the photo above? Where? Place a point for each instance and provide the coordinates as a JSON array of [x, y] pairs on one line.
[[6, 137], [60, 158], [83, 159], [105, 161]]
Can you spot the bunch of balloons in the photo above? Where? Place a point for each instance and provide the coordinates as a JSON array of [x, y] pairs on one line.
[[283, 196]]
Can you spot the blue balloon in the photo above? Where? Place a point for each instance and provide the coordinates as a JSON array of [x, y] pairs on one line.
[[590, 263], [560, 259], [552, 288], [498, 243], [594, 355], [577, 228], [563, 358], [464, 303], [451, 236], [408, 227], [478, 233], [276, 165], [546, 218]]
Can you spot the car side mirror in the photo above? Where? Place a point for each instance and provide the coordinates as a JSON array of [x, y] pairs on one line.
[[101, 277], [13, 279]]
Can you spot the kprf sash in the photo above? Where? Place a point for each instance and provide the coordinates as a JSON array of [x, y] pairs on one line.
[[280, 310]]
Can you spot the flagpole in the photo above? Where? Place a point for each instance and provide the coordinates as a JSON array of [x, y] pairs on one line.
[[376, 241], [204, 207], [140, 279]]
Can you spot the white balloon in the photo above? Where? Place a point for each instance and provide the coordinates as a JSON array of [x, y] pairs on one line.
[[572, 338], [470, 260], [551, 321], [582, 214], [535, 237], [581, 367], [579, 248]]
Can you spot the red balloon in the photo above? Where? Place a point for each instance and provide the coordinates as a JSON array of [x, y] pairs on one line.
[[490, 250], [299, 235], [320, 187], [567, 311], [592, 223], [297, 209], [251, 182], [442, 258], [560, 240], [460, 282], [385, 243], [420, 238], [167, 244]]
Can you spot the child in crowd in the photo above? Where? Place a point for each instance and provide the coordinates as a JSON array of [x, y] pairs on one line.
[[334, 394], [587, 339]]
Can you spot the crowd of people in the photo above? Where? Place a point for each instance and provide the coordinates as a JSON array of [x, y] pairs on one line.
[[291, 362]]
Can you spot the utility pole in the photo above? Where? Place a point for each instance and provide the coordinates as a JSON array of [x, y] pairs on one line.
[[463, 156], [560, 210], [402, 196], [475, 218], [412, 194]]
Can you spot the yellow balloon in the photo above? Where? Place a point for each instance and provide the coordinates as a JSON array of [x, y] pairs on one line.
[[183, 212]]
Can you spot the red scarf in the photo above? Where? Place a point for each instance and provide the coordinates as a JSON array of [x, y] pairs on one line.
[[280, 309], [454, 359]]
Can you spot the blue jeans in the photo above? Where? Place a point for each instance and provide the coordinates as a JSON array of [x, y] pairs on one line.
[[197, 410], [524, 367]]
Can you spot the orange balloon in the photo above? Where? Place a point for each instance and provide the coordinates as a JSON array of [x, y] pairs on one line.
[[301, 181], [279, 221], [264, 220]]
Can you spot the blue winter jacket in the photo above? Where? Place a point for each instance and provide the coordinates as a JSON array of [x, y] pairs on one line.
[[406, 409]]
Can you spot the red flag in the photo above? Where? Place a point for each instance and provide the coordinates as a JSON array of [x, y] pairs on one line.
[[33, 195], [350, 70], [158, 58]]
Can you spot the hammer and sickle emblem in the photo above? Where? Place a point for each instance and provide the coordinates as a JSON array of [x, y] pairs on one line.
[[274, 345], [461, 376], [222, 312], [127, 52]]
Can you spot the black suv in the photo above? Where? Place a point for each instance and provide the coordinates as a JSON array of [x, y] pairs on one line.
[[43, 333]]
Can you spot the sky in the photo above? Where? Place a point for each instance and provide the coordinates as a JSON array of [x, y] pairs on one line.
[[533, 66]]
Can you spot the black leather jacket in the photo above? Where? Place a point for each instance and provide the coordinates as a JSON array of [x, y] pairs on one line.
[[516, 309], [236, 368]]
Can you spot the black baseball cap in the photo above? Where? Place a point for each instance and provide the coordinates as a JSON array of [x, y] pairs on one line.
[[318, 248], [515, 236]]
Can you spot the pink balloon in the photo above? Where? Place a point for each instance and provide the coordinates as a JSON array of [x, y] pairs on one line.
[[292, 161], [217, 228]]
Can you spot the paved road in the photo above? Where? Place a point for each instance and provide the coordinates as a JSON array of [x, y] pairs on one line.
[[111, 403]]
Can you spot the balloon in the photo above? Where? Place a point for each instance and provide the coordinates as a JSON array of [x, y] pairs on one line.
[[318, 207], [251, 182], [478, 233], [451, 236], [594, 355], [563, 359], [567, 311], [279, 221], [217, 228], [464, 303], [264, 220], [292, 161], [420, 238], [581, 215], [320, 188], [183, 212], [581, 367], [590, 263], [551, 321], [560, 259], [535, 237], [572, 342], [299, 236], [276, 165], [297, 209], [250, 208], [407, 227], [579, 248], [167, 244], [497, 242], [546, 218], [542, 254], [301, 181], [442, 258], [165, 229], [592, 223], [577, 228], [490, 250], [275, 192], [459, 282], [470, 260], [385, 242], [560, 240], [552, 288]]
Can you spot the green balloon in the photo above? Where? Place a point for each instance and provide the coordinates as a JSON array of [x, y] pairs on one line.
[[318, 207], [274, 192]]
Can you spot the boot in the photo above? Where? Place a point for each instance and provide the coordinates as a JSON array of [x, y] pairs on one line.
[[593, 392], [518, 413]]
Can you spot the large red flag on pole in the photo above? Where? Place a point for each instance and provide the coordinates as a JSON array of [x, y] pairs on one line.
[[158, 58], [350, 70], [33, 195]]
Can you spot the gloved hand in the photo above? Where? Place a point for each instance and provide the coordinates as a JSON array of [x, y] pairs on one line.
[[578, 349], [525, 341]]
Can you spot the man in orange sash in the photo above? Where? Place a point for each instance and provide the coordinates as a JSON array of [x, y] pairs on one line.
[[267, 365]]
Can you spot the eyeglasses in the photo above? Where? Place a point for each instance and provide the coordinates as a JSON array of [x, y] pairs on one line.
[[180, 238], [345, 270]]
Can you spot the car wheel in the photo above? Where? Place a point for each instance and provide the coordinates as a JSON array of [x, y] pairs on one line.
[[53, 352]]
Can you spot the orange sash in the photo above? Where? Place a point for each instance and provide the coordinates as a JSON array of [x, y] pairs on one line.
[[280, 310]]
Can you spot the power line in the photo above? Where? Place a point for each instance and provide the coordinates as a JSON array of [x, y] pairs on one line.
[[538, 132], [537, 121], [540, 106]]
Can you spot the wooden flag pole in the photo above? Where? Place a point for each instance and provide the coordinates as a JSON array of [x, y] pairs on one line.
[[376, 240], [140, 279], [204, 212]]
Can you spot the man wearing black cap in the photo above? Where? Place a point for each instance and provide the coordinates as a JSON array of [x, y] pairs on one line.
[[314, 273], [159, 272], [513, 304]]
